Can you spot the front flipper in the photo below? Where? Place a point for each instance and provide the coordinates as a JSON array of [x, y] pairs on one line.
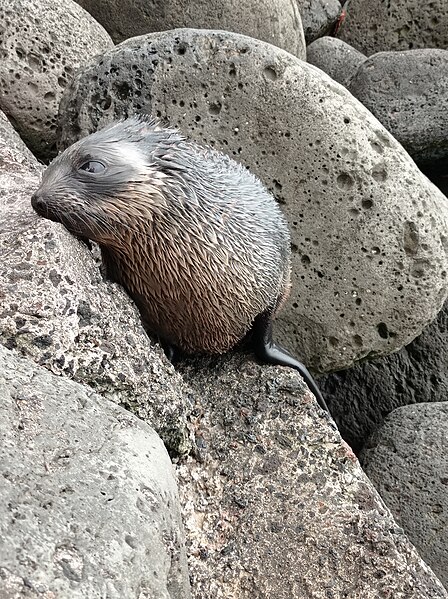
[[267, 350]]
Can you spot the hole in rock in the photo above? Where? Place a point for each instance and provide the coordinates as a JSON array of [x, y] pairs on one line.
[[215, 108], [383, 331], [270, 73]]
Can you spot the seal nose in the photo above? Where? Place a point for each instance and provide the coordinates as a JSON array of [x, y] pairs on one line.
[[38, 202]]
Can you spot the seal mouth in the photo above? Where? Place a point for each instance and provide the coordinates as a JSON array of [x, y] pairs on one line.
[[46, 208], [43, 208], [40, 205]]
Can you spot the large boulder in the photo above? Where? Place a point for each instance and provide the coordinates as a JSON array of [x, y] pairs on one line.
[[89, 504], [407, 461], [408, 93], [42, 43], [368, 229], [399, 25], [274, 21], [336, 58], [276, 505], [56, 308], [318, 17]]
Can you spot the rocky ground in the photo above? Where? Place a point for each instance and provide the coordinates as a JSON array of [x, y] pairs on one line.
[[341, 111]]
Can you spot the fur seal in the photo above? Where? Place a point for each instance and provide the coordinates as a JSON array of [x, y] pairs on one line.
[[194, 238]]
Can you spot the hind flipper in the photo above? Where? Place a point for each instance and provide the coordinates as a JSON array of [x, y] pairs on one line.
[[267, 350]]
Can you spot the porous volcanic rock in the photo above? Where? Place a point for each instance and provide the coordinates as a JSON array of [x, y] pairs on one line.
[[89, 505], [42, 43], [56, 309], [399, 25], [336, 58], [318, 17], [407, 460], [360, 397], [368, 229], [13, 144], [275, 21], [408, 93], [277, 505]]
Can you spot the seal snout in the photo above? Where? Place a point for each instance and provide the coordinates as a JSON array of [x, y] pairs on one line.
[[42, 204], [39, 203]]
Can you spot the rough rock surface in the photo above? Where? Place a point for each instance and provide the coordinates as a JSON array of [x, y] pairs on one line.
[[399, 25], [407, 460], [408, 93], [368, 229], [277, 505], [318, 17], [15, 145], [89, 505], [336, 58], [360, 397], [42, 43], [275, 21], [56, 309]]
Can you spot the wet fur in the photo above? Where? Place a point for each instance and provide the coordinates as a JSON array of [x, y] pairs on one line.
[[194, 238]]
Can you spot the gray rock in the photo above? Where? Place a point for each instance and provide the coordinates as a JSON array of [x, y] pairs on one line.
[[56, 309], [368, 229], [42, 43], [407, 460], [408, 93], [336, 58], [318, 17], [89, 505], [399, 25], [360, 397], [278, 506], [275, 21], [13, 144]]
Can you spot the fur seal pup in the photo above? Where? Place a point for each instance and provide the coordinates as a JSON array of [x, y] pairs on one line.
[[194, 238]]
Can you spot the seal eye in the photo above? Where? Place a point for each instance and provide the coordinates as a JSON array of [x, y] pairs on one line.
[[92, 166]]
